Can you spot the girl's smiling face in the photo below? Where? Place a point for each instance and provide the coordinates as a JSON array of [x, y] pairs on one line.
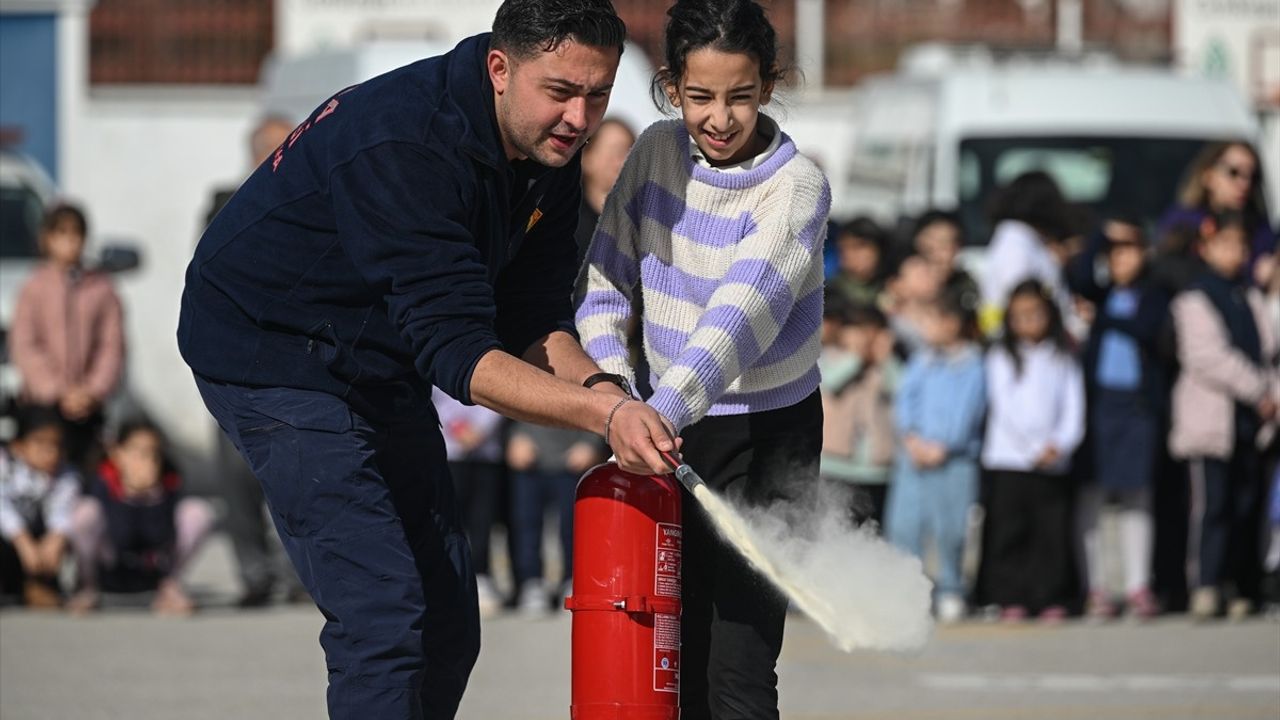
[[720, 96]]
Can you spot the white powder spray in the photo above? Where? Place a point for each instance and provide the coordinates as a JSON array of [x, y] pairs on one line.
[[865, 593]]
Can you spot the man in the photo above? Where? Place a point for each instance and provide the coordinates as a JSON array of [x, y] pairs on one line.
[[414, 231]]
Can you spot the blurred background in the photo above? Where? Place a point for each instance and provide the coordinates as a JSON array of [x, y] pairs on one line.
[[1136, 120], [142, 109]]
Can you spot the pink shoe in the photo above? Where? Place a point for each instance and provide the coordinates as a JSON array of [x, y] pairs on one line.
[[1099, 607], [1013, 614], [1053, 615], [1142, 605]]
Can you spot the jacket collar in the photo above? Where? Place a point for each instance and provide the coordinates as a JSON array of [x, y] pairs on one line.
[[472, 91]]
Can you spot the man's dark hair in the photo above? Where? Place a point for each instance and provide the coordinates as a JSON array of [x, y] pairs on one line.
[[525, 27]]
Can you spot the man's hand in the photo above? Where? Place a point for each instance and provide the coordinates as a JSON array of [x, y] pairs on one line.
[[637, 434], [521, 391]]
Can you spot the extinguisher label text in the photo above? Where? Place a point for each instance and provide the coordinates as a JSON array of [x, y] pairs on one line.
[[667, 561], [666, 653]]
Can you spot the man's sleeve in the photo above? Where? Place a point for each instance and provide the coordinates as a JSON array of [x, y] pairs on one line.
[[402, 219], [535, 292]]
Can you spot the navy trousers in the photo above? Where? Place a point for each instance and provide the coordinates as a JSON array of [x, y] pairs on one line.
[[360, 494]]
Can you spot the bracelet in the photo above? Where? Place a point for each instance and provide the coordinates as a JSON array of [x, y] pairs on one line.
[[608, 421]]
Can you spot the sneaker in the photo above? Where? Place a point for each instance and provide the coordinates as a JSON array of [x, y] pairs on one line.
[[951, 609], [489, 600], [1204, 603], [1053, 615], [533, 601], [1012, 614], [1142, 605], [1099, 607], [1239, 609]]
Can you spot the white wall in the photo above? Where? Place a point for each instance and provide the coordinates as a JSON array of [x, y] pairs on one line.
[[145, 166]]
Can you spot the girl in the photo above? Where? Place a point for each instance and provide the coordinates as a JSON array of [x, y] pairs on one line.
[[859, 379], [1032, 226], [938, 417], [1128, 400], [38, 493], [1224, 402], [136, 531], [67, 337], [719, 222], [1036, 394]]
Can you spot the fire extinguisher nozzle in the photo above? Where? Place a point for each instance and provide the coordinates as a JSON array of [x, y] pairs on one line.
[[688, 477]]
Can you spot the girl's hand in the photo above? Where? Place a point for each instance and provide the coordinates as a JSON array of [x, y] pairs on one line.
[[1048, 457]]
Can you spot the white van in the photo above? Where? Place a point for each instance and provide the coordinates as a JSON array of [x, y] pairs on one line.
[[294, 85], [1114, 137]]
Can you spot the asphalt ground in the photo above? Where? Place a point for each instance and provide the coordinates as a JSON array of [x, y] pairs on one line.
[[224, 663]]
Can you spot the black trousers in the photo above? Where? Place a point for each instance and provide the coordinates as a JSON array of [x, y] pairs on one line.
[[732, 622], [1227, 499], [478, 486], [1026, 553]]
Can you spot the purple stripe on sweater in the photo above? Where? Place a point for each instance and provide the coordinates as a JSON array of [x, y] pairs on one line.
[[771, 399], [765, 278], [801, 326], [670, 405], [605, 255], [658, 204], [757, 273], [605, 346], [670, 342], [814, 231], [602, 302], [676, 283], [736, 180]]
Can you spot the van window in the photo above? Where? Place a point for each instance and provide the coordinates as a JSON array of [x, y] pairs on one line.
[[1138, 176], [1082, 174], [20, 212]]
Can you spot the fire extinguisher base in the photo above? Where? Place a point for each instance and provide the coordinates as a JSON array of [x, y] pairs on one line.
[[614, 711]]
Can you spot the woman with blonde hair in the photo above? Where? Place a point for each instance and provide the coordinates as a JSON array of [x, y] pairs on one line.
[[1224, 177]]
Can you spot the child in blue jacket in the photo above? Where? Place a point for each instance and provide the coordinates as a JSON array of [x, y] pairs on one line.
[[938, 417]]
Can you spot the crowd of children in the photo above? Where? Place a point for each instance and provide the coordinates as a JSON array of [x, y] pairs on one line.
[[1110, 373]]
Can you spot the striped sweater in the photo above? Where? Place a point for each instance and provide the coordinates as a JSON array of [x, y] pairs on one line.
[[729, 266]]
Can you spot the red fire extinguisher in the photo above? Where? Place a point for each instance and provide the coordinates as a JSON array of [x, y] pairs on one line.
[[626, 596]]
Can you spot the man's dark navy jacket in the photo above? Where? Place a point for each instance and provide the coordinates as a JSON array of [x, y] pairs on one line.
[[387, 243]]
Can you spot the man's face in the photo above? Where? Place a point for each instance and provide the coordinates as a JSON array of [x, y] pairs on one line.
[[550, 102]]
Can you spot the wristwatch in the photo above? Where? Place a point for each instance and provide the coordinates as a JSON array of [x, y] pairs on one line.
[[609, 378]]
